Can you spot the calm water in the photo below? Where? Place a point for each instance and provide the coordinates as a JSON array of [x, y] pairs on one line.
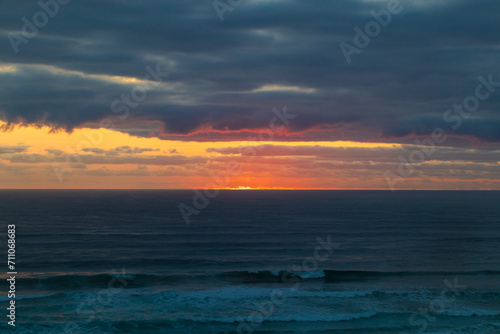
[[255, 261]]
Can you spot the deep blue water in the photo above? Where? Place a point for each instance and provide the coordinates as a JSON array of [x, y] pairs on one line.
[[255, 261]]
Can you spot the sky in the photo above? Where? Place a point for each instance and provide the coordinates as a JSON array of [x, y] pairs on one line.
[[250, 94]]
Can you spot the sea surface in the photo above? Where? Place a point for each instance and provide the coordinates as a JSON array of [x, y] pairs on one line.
[[254, 262]]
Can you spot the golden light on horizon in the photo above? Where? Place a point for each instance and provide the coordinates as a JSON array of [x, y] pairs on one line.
[[172, 164]]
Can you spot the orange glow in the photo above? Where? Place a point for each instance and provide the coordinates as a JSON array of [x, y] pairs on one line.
[[188, 165], [255, 188]]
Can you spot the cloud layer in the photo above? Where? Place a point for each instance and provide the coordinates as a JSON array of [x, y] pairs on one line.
[[225, 77]]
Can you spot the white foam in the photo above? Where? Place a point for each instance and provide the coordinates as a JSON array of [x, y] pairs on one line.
[[275, 272], [309, 274]]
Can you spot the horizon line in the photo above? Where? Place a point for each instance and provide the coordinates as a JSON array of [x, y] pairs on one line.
[[250, 189]]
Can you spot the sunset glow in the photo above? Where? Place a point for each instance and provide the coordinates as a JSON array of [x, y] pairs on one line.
[[32, 157], [89, 110]]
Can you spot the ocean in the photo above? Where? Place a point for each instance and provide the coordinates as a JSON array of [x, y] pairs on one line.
[[364, 262]]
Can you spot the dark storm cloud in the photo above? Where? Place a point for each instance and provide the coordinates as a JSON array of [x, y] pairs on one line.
[[229, 75], [485, 129]]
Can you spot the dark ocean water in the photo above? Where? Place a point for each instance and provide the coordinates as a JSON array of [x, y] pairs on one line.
[[254, 262]]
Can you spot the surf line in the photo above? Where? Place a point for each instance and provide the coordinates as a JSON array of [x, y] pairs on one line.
[[322, 252]]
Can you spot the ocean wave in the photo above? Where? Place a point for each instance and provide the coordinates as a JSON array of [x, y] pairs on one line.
[[345, 275], [19, 297], [144, 280], [484, 328], [335, 275], [186, 324], [472, 313], [242, 277], [333, 317], [246, 292]]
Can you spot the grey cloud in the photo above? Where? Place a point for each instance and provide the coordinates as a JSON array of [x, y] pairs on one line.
[[94, 150], [87, 159], [427, 59], [55, 152], [12, 149], [139, 171], [119, 150], [361, 154], [29, 158]]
